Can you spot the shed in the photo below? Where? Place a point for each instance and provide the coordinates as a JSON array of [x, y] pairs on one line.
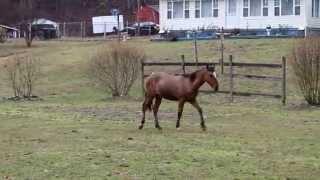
[[147, 13], [45, 21], [12, 32], [45, 29]]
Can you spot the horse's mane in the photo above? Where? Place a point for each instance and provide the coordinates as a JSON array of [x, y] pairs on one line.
[[192, 76]]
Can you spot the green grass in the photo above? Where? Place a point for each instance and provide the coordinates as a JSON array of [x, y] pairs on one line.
[[79, 132]]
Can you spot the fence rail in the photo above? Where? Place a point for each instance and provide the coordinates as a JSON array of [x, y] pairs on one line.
[[257, 77], [243, 93], [178, 63], [235, 64]]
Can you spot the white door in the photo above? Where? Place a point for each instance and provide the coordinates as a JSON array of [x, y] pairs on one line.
[[232, 17]]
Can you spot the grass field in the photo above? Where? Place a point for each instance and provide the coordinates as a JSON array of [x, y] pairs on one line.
[[79, 132]]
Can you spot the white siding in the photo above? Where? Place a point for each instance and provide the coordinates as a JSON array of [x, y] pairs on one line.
[[312, 22], [274, 21], [192, 22], [251, 22]]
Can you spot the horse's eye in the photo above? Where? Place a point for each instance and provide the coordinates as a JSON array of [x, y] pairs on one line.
[[211, 75]]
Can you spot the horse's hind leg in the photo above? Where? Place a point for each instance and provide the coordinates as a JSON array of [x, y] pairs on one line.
[[196, 105], [155, 112], [180, 110], [147, 104]]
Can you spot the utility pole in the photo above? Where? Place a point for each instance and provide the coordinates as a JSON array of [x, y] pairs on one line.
[[118, 20], [138, 19]]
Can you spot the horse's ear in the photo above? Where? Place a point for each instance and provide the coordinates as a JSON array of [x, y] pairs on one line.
[[211, 68]]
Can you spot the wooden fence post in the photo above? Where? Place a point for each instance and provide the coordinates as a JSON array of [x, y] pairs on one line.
[[119, 31], [222, 51], [84, 29], [81, 29], [105, 31], [317, 71], [231, 77], [64, 29], [284, 80], [142, 77], [195, 47], [183, 64]]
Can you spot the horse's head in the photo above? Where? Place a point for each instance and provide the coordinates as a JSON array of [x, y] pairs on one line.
[[210, 76]]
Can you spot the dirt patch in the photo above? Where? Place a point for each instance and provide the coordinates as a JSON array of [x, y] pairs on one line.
[[8, 54]]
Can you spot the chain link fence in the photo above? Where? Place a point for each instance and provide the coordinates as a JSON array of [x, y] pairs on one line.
[[86, 29]]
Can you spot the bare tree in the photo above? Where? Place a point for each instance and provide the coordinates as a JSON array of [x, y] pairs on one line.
[[23, 73], [3, 35], [116, 67], [305, 61], [27, 14]]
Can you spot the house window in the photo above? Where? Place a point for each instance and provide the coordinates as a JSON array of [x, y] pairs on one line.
[[286, 7], [277, 7], [265, 8], [297, 7], [169, 15], [255, 7], [206, 8], [245, 8], [197, 9], [215, 8], [315, 8], [186, 9], [177, 9], [232, 8]]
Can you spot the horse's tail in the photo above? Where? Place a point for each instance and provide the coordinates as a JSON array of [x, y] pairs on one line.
[[149, 90], [149, 105]]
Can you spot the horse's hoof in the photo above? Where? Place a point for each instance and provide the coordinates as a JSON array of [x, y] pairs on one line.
[[204, 128], [159, 128], [178, 129], [140, 127]]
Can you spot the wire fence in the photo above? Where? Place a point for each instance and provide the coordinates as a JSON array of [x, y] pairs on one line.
[[85, 29], [88, 29]]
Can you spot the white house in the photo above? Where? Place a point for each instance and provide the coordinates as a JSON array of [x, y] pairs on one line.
[[240, 14]]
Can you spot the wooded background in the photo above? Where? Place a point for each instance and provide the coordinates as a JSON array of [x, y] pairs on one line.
[[13, 12]]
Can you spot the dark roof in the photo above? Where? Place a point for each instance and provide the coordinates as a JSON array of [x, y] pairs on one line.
[[9, 28]]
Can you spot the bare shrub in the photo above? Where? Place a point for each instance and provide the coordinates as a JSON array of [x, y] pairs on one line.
[[23, 73], [27, 29], [305, 62], [3, 35], [116, 67]]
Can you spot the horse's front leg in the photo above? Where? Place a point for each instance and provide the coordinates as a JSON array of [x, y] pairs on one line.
[[197, 106], [180, 110]]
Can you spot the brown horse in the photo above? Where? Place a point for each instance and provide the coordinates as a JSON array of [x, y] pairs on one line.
[[181, 88]]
